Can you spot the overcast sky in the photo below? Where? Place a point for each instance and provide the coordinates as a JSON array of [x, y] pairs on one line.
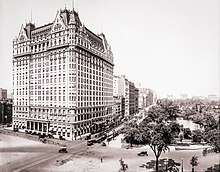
[[171, 46]]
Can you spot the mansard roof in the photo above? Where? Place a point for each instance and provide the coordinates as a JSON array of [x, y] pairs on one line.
[[66, 17], [45, 29]]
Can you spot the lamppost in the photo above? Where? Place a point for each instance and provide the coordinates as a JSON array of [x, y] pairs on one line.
[[182, 165], [166, 163]]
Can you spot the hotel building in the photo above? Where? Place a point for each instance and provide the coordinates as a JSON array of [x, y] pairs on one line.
[[62, 78]]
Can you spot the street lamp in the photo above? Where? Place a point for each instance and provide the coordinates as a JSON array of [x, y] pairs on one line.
[[182, 165], [166, 163]]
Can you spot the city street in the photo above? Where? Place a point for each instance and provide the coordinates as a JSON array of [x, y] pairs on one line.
[[23, 154], [27, 155]]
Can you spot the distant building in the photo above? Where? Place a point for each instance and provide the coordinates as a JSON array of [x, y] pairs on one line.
[[6, 111], [183, 96], [170, 96], [146, 98], [213, 97], [198, 98], [150, 97], [3, 94]]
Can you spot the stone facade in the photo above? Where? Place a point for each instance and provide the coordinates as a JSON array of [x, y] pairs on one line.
[[62, 78]]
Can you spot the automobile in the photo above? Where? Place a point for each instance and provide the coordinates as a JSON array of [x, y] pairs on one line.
[[103, 144], [61, 138], [89, 142], [62, 149], [9, 125], [88, 137], [16, 129], [143, 153]]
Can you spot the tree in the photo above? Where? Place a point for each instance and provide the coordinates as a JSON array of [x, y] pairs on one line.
[[212, 138], [161, 137], [197, 136], [171, 109], [187, 134], [130, 135], [215, 168], [175, 128], [142, 137], [194, 162], [156, 114], [209, 121]]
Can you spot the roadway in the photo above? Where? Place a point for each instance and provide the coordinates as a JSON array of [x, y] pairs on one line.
[[41, 157]]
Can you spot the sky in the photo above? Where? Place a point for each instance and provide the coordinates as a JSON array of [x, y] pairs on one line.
[[170, 46]]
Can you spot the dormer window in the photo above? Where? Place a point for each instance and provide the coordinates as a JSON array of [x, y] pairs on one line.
[[57, 27], [22, 38]]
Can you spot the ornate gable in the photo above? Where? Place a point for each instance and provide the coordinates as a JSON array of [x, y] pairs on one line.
[[58, 23], [22, 34]]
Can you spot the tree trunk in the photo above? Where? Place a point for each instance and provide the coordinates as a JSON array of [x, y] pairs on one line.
[[192, 168], [157, 163], [131, 141]]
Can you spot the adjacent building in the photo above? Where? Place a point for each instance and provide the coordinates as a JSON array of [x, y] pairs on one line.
[[136, 94], [124, 88], [118, 109], [62, 78], [3, 94], [5, 111], [121, 88], [133, 99]]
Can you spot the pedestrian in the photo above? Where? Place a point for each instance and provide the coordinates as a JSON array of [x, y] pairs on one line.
[[101, 160]]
